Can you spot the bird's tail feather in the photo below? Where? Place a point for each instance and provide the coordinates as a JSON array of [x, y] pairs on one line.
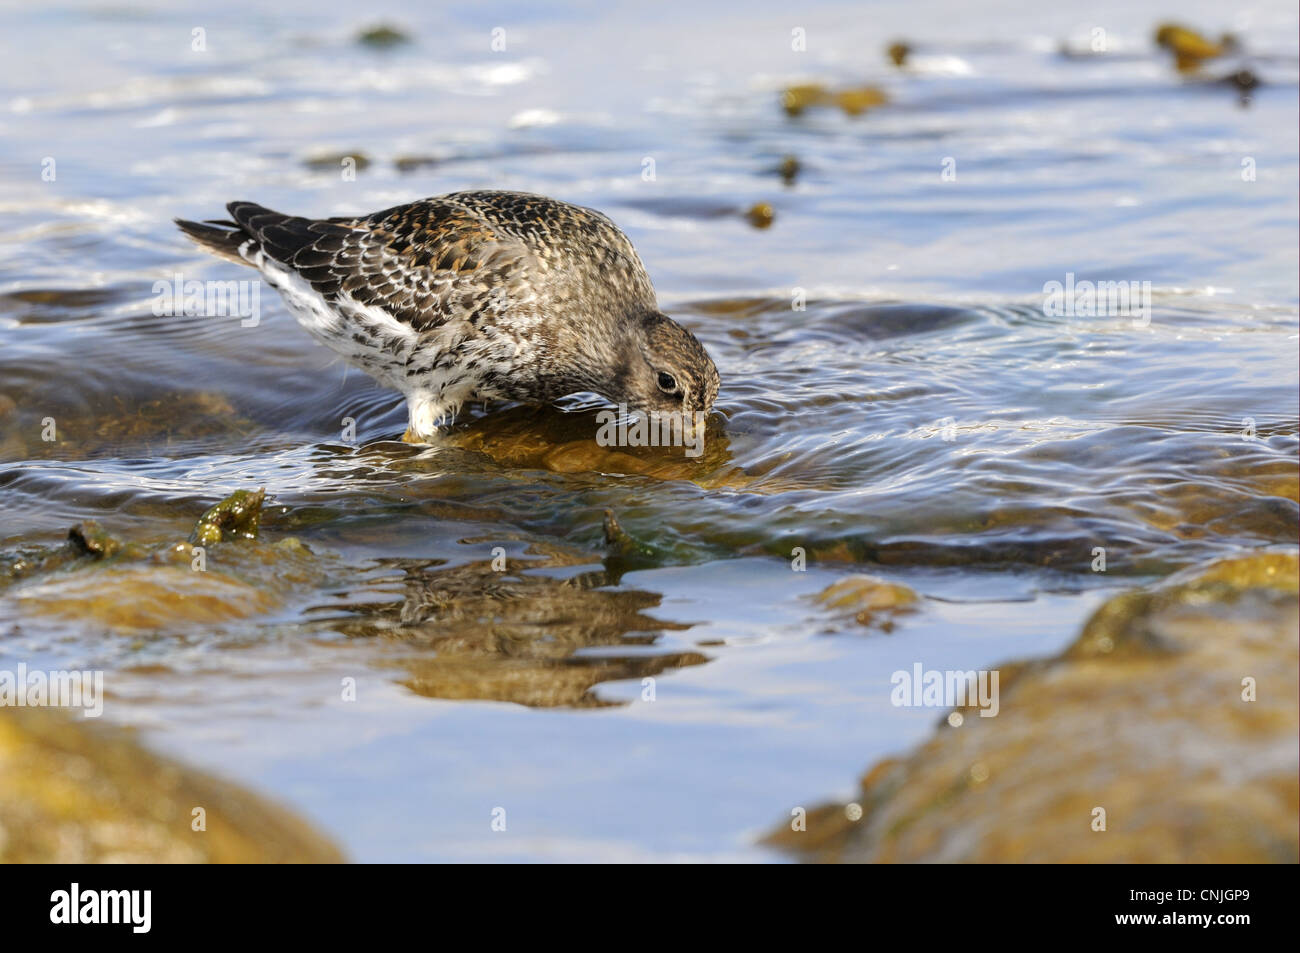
[[222, 238]]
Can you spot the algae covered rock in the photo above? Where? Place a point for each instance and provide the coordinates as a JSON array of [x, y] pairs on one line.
[[869, 601], [530, 437], [238, 516], [898, 52], [1189, 47], [145, 596], [1165, 734], [760, 215], [222, 573], [854, 100], [136, 425], [795, 99], [78, 792]]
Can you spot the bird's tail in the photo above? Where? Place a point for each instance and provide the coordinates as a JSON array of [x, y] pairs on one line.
[[223, 238]]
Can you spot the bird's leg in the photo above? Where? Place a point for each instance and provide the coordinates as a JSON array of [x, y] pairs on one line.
[[426, 412]]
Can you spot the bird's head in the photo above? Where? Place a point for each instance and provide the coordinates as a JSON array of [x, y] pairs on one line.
[[664, 369]]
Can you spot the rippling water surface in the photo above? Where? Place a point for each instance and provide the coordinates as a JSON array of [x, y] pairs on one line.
[[896, 399]]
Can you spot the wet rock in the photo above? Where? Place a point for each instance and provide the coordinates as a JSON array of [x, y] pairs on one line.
[[333, 161], [615, 535], [197, 413], [382, 36], [132, 587], [541, 438], [79, 792], [868, 601], [1218, 503], [91, 539], [87, 542], [126, 425], [50, 305], [795, 99], [625, 551], [1190, 48], [238, 516], [761, 215], [145, 597], [1243, 80], [898, 53], [585, 456], [789, 169], [1175, 713], [854, 102], [406, 164]]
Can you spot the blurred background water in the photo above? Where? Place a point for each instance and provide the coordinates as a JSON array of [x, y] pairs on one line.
[[922, 419]]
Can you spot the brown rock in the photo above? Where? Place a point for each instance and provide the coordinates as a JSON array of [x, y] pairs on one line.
[[870, 601], [1145, 717], [76, 791]]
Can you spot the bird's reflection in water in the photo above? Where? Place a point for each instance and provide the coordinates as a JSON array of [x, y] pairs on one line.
[[518, 635]]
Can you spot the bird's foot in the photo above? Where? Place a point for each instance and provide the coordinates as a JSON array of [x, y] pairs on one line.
[[427, 415], [412, 437]]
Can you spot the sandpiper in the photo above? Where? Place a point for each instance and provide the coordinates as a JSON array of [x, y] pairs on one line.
[[476, 296]]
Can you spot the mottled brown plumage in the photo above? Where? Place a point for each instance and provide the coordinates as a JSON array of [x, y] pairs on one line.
[[476, 296]]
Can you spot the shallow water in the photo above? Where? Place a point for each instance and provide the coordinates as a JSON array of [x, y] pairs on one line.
[[921, 418]]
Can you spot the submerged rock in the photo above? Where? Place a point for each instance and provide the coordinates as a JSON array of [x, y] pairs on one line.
[[132, 425], [73, 792], [87, 542], [333, 161], [143, 596], [1165, 734], [405, 164], [869, 601]]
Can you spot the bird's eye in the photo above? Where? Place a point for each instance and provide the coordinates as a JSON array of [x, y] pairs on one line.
[[667, 383]]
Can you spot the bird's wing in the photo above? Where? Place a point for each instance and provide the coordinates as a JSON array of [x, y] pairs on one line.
[[581, 243], [425, 264]]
